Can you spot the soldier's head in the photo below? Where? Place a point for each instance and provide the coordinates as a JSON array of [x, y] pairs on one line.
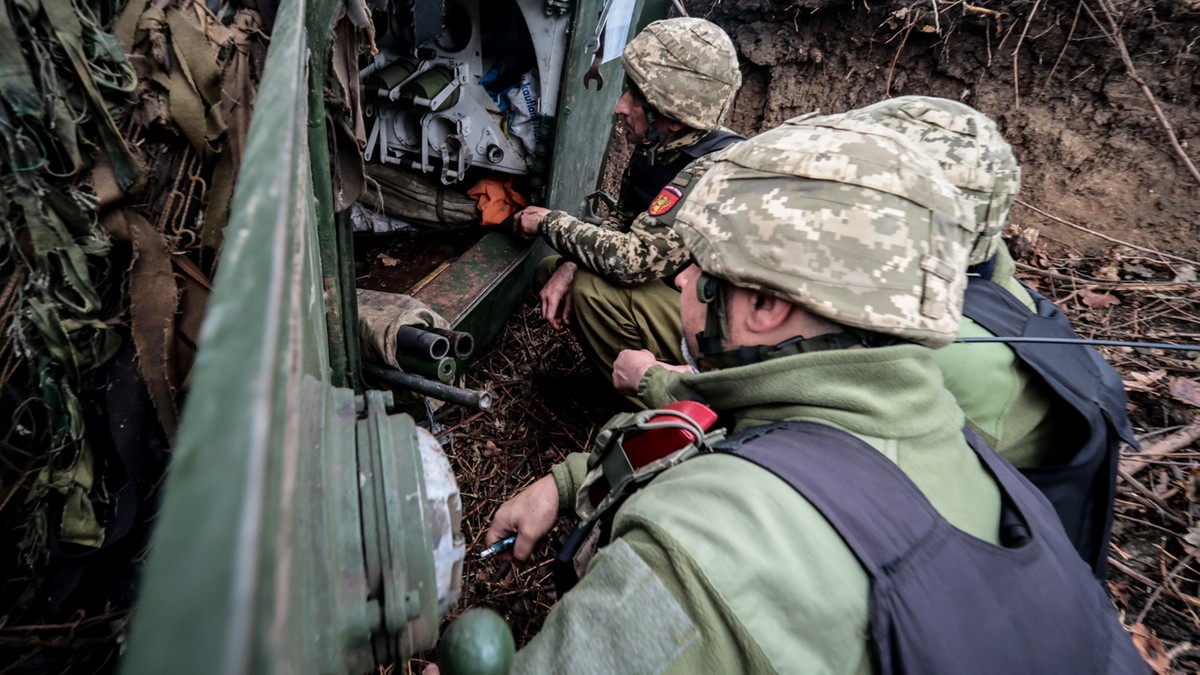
[[680, 73], [840, 237], [973, 155]]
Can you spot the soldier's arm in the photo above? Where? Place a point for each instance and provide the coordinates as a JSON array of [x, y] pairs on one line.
[[623, 617], [646, 251]]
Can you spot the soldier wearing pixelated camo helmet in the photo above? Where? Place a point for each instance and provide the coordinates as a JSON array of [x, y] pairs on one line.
[[681, 78], [971, 150], [845, 523], [1019, 397]]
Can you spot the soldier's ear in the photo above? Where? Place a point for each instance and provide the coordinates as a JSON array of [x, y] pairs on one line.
[[765, 312]]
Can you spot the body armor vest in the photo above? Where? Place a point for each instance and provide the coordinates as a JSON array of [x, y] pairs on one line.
[[943, 601], [1082, 488]]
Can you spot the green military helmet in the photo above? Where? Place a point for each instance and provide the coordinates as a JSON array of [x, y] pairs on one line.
[[686, 68], [974, 155], [856, 225]]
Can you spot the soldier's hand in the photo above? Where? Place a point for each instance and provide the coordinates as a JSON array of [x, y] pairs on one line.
[[631, 366], [529, 515], [528, 221], [556, 296]]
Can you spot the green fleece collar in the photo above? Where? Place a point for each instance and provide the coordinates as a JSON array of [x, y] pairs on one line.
[[886, 392]]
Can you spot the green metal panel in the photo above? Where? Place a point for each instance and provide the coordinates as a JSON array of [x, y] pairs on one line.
[[211, 593], [259, 560], [584, 123]]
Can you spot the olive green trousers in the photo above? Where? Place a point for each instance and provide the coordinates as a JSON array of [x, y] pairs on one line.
[[607, 318]]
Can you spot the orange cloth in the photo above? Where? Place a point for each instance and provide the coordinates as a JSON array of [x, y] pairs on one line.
[[496, 200]]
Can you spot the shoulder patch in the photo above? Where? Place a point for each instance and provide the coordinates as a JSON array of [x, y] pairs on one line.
[[666, 200]]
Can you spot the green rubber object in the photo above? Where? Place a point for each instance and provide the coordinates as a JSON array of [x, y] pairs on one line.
[[476, 643]]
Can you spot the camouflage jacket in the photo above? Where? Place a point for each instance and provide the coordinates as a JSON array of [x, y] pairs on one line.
[[629, 248]]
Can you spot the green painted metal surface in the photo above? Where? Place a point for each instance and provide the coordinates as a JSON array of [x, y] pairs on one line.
[[293, 536], [258, 563], [585, 116]]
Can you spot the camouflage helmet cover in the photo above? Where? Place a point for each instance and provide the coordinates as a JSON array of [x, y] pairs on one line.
[[973, 154], [687, 69], [855, 224]]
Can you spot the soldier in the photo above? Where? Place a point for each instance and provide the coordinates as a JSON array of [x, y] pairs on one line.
[[848, 525], [682, 75], [1056, 412]]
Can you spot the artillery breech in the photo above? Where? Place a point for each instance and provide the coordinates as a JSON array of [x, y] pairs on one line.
[[421, 343], [442, 392]]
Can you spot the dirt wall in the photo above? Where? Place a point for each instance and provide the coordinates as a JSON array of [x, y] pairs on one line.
[[1093, 151]]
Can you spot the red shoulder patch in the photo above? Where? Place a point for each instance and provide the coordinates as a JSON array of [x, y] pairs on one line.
[[665, 201]]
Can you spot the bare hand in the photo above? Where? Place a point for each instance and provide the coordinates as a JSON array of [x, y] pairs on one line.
[[556, 296], [431, 669], [529, 515], [631, 366], [528, 221], [628, 369]]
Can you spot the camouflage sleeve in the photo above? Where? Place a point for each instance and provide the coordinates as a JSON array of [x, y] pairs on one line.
[[647, 251], [633, 251]]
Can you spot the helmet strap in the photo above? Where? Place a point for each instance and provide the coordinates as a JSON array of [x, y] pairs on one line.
[[654, 138], [716, 327]]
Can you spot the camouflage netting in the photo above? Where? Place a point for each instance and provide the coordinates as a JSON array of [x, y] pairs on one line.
[[122, 132]]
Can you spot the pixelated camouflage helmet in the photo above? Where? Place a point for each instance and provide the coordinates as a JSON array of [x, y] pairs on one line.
[[856, 224], [686, 68], [973, 154]]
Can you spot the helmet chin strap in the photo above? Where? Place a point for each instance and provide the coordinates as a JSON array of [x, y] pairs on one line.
[[716, 329], [655, 138]]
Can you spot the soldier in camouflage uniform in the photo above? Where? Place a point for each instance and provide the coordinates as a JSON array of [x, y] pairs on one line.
[[828, 263], [682, 75]]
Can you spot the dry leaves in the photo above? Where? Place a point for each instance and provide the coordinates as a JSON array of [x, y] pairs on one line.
[[1151, 649], [1098, 300], [1144, 382], [1185, 389]]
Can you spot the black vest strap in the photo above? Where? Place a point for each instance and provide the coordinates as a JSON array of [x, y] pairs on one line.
[[1083, 486], [941, 600], [643, 180]]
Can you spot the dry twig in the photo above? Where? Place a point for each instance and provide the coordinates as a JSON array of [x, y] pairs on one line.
[[1131, 464], [1114, 240]]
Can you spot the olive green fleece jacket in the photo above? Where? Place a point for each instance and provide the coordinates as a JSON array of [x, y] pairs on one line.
[[717, 566], [1008, 403]]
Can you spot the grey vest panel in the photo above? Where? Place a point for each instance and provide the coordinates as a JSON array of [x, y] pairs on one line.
[[1082, 488], [943, 601]]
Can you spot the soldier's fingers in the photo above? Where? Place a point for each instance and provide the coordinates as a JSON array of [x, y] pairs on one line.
[[523, 548]]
